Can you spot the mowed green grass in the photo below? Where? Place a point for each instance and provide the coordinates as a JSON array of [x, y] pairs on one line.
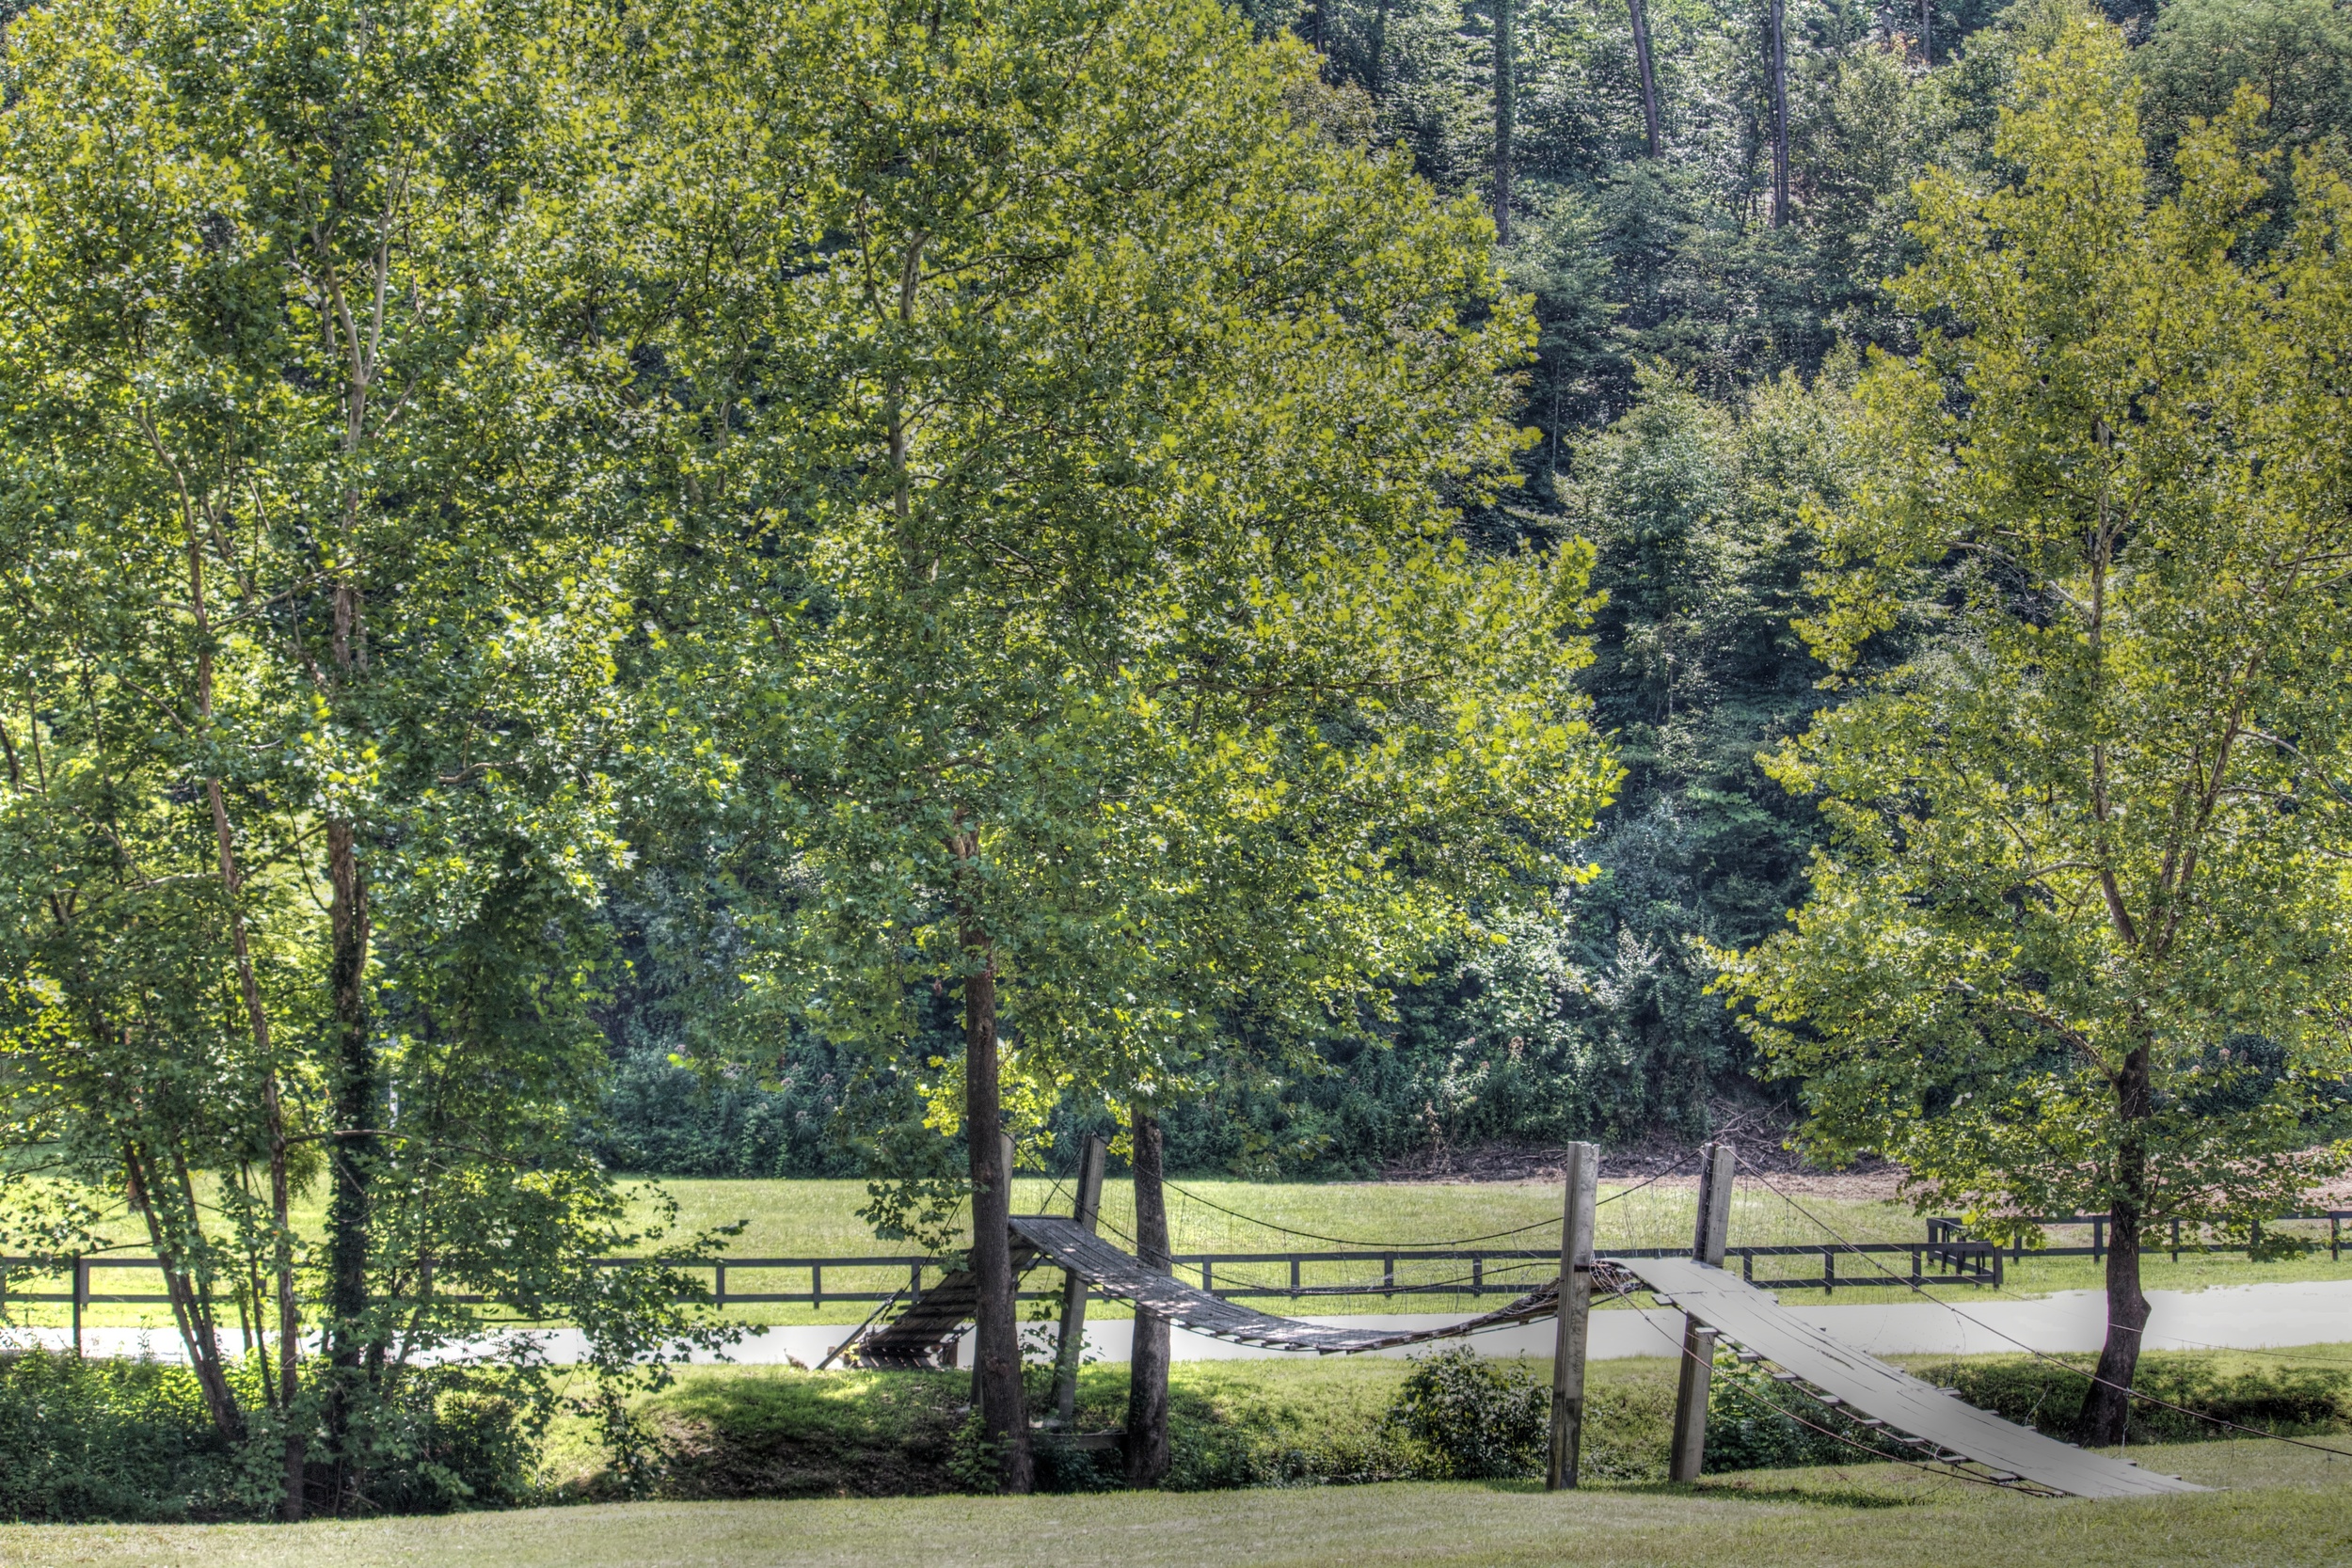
[[2280, 1508], [819, 1218]]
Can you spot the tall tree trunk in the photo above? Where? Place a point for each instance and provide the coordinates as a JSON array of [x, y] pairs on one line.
[[1376, 48], [2108, 1406], [1649, 76], [354, 1091], [1927, 35], [1147, 1363], [1004, 1409], [353, 1094], [1780, 113], [1506, 111]]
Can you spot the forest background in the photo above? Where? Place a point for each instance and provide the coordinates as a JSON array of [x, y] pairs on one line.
[[1708, 246]]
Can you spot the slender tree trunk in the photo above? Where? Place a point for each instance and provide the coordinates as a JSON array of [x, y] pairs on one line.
[[257, 1019], [352, 1150], [1927, 35], [189, 1308], [1004, 1408], [1376, 48], [2108, 1406], [1506, 112], [1649, 76], [1147, 1363], [1780, 114], [354, 1090]]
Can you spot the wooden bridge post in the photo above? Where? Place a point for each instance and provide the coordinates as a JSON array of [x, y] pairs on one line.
[[1711, 1239], [1087, 1212], [1575, 1306]]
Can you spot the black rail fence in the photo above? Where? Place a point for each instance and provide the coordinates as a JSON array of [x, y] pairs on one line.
[[1947, 1256]]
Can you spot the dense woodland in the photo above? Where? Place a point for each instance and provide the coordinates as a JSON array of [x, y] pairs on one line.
[[1686, 304]]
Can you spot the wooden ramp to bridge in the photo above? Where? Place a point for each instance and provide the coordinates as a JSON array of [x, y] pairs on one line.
[[1943, 1426]]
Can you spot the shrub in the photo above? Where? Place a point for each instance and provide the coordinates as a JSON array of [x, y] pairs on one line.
[[1478, 1417], [107, 1440]]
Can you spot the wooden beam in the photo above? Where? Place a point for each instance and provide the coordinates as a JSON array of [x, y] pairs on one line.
[[1575, 1306], [1710, 1238], [1698, 1366], [1068, 1350]]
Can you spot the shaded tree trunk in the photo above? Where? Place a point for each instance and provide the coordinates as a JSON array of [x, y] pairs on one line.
[[354, 1091], [2108, 1406], [1506, 110], [1146, 1364], [1375, 47], [353, 1094], [1780, 113], [1649, 76], [996, 1335]]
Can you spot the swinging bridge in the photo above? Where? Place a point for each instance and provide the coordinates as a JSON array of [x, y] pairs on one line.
[[1940, 1429]]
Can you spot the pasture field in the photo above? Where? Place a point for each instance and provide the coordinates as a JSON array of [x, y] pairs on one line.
[[819, 1218], [2278, 1507]]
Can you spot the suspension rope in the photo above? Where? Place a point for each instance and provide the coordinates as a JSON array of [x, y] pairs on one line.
[[1353, 1241], [2128, 1392]]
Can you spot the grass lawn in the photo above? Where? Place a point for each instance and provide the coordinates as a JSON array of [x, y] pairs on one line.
[[820, 1219], [2281, 1508]]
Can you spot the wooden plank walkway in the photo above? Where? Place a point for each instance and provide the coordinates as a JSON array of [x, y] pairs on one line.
[[936, 1316], [1943, 1426]]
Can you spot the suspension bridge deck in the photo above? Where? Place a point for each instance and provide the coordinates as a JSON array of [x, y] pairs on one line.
[[1941, 1427]]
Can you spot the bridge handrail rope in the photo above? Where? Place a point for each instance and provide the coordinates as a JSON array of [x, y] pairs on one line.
[[2093, 1377]]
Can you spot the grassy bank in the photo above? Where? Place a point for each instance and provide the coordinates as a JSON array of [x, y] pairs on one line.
[[2281, 1509]]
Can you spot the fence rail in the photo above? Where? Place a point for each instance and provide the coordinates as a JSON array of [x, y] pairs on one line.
[[1947, 1256]]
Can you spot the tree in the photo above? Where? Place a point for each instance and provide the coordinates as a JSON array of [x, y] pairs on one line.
[[307, 661], [2080, 940], [1779, 50], [1505, 109], [1063, 463], [1651, 140]]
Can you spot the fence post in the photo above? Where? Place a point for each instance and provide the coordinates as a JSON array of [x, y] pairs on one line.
[[2335, 1236], [815, 1285], [81, 1294], [1829, 1271], [2176, 1241], [1294, 1275], [719, 1286], [1712, 1233], [1067, 1351], [1575, 1315], [2098, 1239]]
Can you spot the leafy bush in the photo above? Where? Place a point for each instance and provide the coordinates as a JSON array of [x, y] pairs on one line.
[[1479, 1418], [1756, 1423], [105, 1439], [130, 1441]]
